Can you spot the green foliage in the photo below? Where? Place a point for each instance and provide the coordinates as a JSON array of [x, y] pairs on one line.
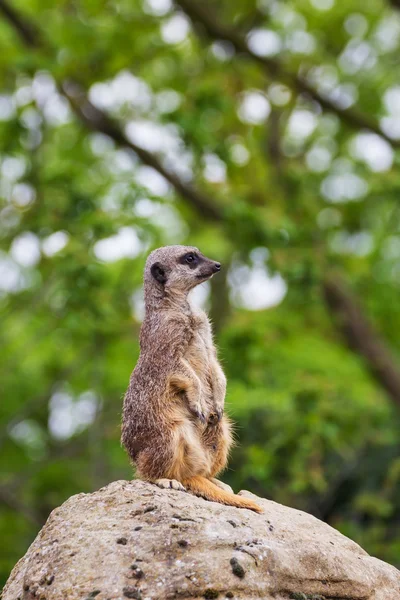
[[309, 410], [298, 191]]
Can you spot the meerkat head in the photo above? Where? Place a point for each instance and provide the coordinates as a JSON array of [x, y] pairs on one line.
[[178, 269]]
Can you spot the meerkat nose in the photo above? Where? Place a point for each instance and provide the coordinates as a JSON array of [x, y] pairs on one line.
[[217, 267]]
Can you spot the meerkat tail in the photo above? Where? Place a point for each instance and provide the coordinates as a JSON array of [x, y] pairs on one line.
[[201, 486]]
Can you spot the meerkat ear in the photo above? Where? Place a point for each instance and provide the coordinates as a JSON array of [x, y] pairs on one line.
[[158, 273]]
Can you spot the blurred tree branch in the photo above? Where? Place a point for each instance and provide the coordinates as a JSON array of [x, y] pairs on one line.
[[361, 337], [26, 30], [97, 120], [217, 31], [220, 305], [358, 333]]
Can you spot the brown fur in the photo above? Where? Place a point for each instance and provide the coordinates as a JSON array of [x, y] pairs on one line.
[[173, 423]]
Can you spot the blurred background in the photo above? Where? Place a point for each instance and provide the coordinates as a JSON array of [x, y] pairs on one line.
[[264, 132]]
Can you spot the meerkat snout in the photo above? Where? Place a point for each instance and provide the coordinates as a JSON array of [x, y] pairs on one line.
[[209, 269]]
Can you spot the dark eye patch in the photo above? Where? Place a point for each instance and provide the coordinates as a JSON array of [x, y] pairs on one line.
[[191, 259]]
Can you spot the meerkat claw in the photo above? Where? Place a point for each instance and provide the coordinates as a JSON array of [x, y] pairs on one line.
[[167, 484], [201, 416]]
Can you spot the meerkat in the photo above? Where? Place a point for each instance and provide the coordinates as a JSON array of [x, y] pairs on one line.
[[174, 427]]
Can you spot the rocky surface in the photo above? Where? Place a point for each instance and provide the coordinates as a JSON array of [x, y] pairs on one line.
[[134, 540]]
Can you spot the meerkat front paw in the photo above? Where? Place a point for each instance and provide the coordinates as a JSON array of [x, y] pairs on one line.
[[200, 412], [167, 484], [215, 416]]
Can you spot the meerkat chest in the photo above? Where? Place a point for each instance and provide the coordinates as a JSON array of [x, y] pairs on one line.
[[198, 353], [200, 349]]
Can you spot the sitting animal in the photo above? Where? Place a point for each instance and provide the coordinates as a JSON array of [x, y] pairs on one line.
[[174, 427]]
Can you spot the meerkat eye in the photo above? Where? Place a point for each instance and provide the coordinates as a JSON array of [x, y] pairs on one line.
[[190, 258]]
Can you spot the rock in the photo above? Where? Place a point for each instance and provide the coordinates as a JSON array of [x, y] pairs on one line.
[[134, 540]]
